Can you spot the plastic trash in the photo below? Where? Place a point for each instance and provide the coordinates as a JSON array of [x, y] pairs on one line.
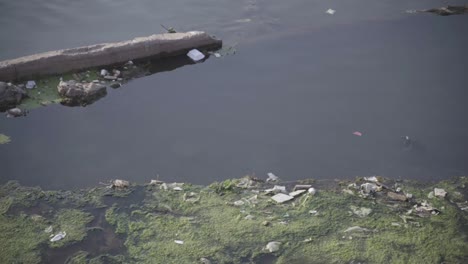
[[273, 246], [195, 55], [49, 229], [330, 11], [59, 236], [180, 242], [281, 198], [357, 133], [30, 84], [272, 177], [312, 191], [104, 72], [297, 193]]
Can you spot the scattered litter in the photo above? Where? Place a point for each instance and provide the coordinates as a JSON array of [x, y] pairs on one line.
[[371, 179], [331, 11], [424, 209], [195, 55], [177, 188], [273, 246], [409, 195], [245, 182], [121, 184], [312, 191], [155, 182], [396, 224], [360, 211], [356, 229], [191, 197], [297, 193], [217, 55], [272, 177], [59, 236], [440, 192], [49, 229], [397, 196], [180, 242], [281, 198], [104, 72], [313, 212], [205, 261], [116, 73], [249, 217], [357, 133], [368, 188], [110, 77], [239, 203], [276, 189], [302, 187]]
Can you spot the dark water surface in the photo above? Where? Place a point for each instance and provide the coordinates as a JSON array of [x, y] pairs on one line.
[[288, 101]]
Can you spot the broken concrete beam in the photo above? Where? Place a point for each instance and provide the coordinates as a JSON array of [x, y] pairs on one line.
[[68, 60]]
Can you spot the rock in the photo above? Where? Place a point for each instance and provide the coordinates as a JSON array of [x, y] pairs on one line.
[[371, 179], [15, 112], [281, 198], [116, 73], [397, 196], [81, 93], [30, 85], [440, 192], [273, 246], [266, 223], [10, 95]]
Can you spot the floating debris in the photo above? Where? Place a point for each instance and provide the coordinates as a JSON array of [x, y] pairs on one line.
[[195, 55], [273, 246], [330, 11], [281, 198], [61, 235], [443, 11], [357, 133]]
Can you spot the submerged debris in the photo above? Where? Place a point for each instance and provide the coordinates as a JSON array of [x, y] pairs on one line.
[[444, 11]]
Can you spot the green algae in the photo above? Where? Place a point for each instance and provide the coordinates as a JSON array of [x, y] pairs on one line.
[[168, 227], [4, 139], [73, 222]]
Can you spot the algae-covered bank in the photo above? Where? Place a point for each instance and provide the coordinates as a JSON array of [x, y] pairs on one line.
[[247, 220]]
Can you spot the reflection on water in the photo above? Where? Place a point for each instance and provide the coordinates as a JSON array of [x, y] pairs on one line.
[[288, 101]]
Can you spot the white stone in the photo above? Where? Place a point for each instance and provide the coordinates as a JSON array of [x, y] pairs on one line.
[[104, 72], [30, 84]]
